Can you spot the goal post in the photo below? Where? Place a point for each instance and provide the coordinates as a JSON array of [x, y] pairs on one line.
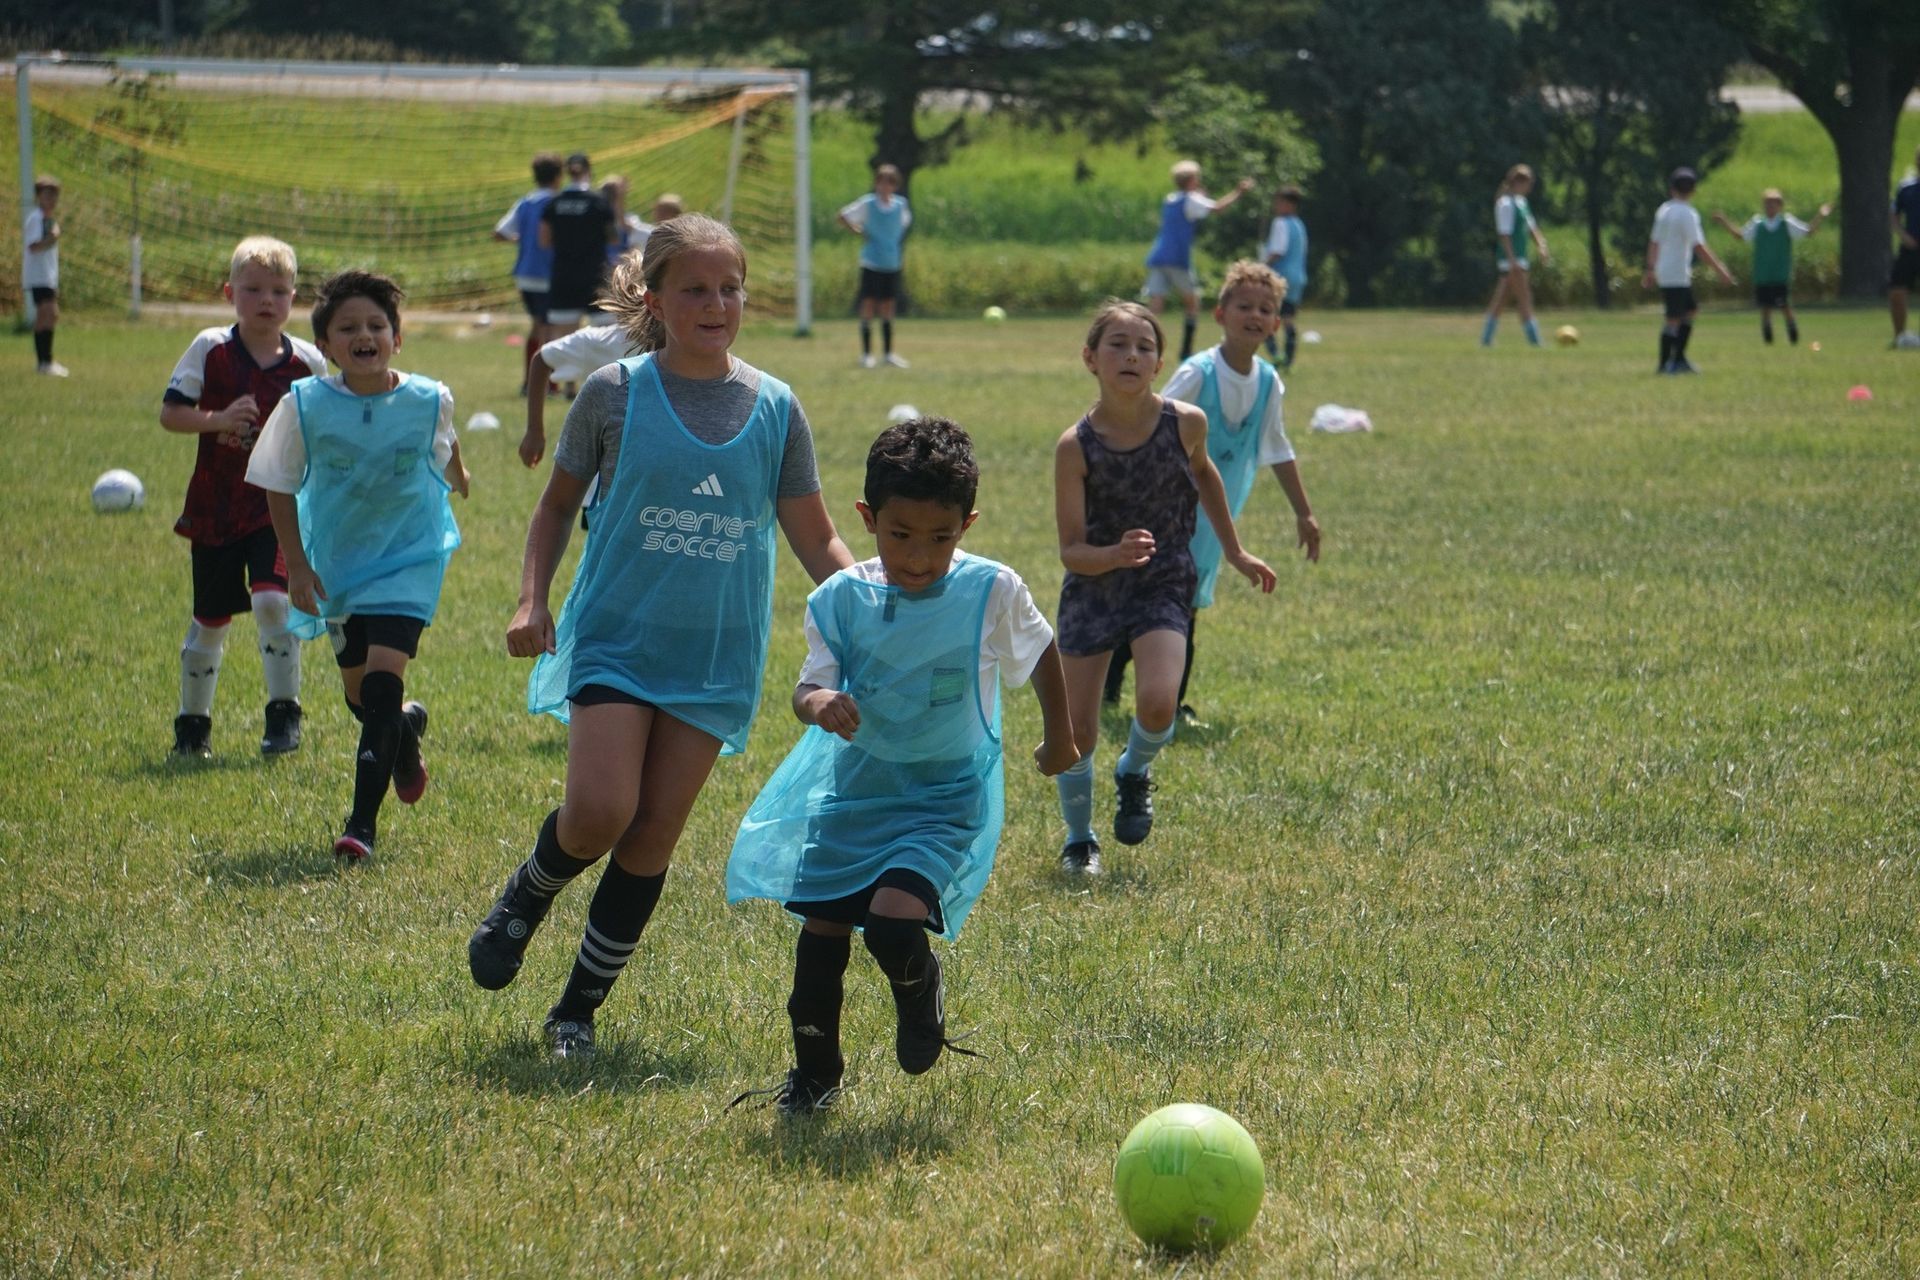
[[404, 168]]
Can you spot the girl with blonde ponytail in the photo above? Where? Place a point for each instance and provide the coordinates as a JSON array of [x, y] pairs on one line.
[[1514, 227]]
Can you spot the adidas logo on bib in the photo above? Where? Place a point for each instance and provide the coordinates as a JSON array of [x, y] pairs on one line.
[[710, 488]]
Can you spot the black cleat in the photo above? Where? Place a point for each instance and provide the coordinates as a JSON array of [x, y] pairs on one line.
[[921, 1007], [1081, 858], [355, 843], [496, 948], [283, 728], [193, 737], [1133, 820], [571, 1038], [798, 1095], [1683, 365], [1188, 718]]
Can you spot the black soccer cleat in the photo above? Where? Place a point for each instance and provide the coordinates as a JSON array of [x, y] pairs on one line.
[[570, 1038], [283, 728], [1081, 858], [410, 776], [920, 1005], [497, 947], [1133, 820], [798, 1095], [355, 843], [192, 737]]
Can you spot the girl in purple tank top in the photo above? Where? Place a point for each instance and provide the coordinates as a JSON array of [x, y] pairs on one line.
[[1126, 480]]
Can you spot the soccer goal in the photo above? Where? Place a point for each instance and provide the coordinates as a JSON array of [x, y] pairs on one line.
[[167, 162]]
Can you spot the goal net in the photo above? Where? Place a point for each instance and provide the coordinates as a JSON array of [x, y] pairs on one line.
[[165, 164]]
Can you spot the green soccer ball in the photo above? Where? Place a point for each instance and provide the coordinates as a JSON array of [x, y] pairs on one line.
[[1189, 1177], [994, 315]]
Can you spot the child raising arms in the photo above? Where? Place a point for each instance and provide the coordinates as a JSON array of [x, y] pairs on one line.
[[657, 656], [1127, 477]]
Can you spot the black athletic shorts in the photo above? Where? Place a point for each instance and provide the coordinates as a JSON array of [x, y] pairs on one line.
[[1289, 309], [225, 578], [1905, 274], [355, 633], [535, 301], [43, 294], [1770, 295], [881, 286], [600, 695], [1680, 302], [853, 908]]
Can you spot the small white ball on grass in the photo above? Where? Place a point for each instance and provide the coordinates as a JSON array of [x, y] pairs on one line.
[[902, 413], [483, 421], [118, 490]]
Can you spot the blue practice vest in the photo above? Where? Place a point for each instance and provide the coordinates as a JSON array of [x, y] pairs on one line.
[[374, 516], [920, 786], [1173, 247], [530, 260], [1235, 450], [885, 229], [674, 592], [1292, 266]]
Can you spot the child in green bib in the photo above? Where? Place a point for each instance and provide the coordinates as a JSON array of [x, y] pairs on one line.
[[1772, 233]]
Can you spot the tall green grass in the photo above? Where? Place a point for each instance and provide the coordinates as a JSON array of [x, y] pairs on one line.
[[1540, 894]]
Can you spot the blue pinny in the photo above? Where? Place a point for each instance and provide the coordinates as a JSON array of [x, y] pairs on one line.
[[920, 787], [374, 516], [1235, 450], [674, 593]]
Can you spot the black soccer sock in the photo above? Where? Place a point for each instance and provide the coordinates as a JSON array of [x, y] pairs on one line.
[[619, 912], [1766, 331], [1273, 348], [819, 989], [1293, 338], [866, 337], [353, 709], [1186, 672], [1793, 331], [1117, 671], [380, 694], [1680, 341], [550, 868], [43, 345], [1186, 337], [886, 336], [900, 948], [1666, 347]]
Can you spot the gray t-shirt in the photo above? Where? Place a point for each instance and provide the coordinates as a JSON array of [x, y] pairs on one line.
[[713, 409]]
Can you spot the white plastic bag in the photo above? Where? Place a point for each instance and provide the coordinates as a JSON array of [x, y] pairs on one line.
[[1337, 417]]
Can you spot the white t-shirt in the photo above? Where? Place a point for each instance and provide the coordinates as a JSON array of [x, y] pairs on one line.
[[578, 354], [1676, 230], [856, 213], [41, 269], [1238, 391], [1795, 228], [1013, 636], [279, 461], [1278, 240], [1503, 216], [189, 376]]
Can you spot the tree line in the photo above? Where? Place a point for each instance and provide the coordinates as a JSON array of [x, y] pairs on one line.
[[1401, 113]]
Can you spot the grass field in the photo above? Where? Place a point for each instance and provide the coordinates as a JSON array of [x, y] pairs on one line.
[[1542, 895]]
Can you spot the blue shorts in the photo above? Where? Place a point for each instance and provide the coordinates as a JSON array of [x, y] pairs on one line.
[[535, 303]]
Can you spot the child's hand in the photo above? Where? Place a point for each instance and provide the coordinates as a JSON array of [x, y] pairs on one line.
[[304, 589], [530, 634], [1055, 757], [1308, 530], [1134, 549], [1245, 184], [1825, 210], [1256, 571], [237, 421], [836, 712], [533, 447], [461, 481], [1646, 278]]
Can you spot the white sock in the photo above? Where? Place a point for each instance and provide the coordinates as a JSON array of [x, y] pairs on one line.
[[279, 647], [200, 656]]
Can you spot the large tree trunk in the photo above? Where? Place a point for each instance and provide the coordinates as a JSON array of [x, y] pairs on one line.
[[1865, 241], [1597, 252]]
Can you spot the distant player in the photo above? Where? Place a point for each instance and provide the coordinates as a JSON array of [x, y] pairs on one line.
[[357, 468], [1286, 253], [1515, 232], [578, 225], [40, 271], [532, 260], [1677, 238], [1906, 262], [1772, 232], [1170, 260], [222, 390], [880, 218], [886, 815]]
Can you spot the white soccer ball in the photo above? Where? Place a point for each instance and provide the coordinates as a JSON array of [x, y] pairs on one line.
[[119, 490], [902, 413], [1907, 341], [994, 314], [483, 421], [484, 320]]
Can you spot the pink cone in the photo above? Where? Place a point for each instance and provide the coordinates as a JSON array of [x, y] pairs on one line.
[[1860, 391]]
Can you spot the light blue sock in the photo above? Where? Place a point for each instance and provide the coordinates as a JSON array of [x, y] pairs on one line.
[[1532, 330], [1076, 798], [1142, 747], [1486, 330]]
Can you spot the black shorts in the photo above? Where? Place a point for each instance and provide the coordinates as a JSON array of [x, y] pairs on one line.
[[853, 908], [881, 286], [355, 633], [1770, 295], [601, 695], [225, 578], [1680, 302], [1905, 273], [43, 294], [1289, 309], [536, 304]]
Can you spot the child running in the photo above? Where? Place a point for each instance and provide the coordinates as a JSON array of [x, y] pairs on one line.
[[657, 657], [1126, 480], [222, 390], [886, 815], [1772, 233], [1515, 229], [357, 469]]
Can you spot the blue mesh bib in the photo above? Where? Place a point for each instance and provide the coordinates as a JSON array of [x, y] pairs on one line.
[[919, 787], [674, 592], [374, 516], [1235, 450]]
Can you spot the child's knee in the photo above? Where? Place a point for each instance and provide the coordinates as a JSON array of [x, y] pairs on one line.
[[1154, 710], [588, 828]]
